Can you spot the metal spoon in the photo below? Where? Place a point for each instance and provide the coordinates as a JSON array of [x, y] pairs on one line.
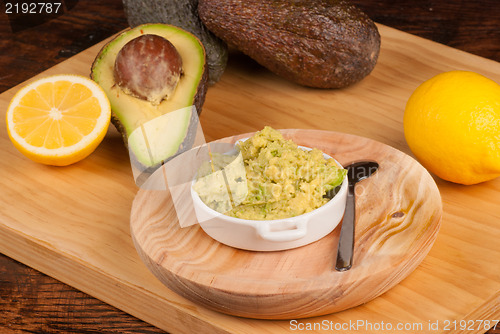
[[356, 172]]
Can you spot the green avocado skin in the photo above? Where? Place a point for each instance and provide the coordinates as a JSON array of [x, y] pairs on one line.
[[182, 14], [321, 43]]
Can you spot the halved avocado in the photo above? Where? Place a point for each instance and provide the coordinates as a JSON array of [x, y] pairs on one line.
[[152, 139]]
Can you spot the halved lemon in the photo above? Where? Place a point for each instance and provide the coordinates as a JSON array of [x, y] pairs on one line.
[[58, 120]]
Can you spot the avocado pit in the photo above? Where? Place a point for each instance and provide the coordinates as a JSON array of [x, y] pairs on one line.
[[148, 67]]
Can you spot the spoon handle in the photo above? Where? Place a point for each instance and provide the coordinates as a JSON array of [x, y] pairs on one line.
[[346, 240]]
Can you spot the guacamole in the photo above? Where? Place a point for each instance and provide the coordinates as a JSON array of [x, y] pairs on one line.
[[274, 179]]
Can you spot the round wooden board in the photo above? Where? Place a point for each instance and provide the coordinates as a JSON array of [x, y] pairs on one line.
[[398, 214]]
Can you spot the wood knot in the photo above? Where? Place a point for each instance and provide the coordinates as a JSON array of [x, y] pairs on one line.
[[398, 214]]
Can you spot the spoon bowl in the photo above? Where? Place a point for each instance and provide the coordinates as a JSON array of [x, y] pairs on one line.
[[358, 171]]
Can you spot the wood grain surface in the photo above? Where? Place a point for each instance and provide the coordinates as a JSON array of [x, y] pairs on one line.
[[393, 235], [33, 302]]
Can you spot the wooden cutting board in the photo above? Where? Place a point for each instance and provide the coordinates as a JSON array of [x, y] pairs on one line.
[[73, 223], [398, 212]]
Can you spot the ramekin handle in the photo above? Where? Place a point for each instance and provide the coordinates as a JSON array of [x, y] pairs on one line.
[[296, 232]]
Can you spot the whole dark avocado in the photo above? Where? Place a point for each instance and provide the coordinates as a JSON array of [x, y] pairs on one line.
[[182, 14], [322, 43]]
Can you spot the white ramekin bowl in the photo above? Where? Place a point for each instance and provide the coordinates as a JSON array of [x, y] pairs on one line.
[[272, 235]]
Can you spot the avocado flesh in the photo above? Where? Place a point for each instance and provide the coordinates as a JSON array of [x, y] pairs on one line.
[[160, 138], [133, 116]]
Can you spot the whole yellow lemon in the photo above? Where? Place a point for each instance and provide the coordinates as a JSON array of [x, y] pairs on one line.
[[452, 125]]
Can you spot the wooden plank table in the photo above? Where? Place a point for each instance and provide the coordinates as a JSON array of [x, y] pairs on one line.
[[265, 96]]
